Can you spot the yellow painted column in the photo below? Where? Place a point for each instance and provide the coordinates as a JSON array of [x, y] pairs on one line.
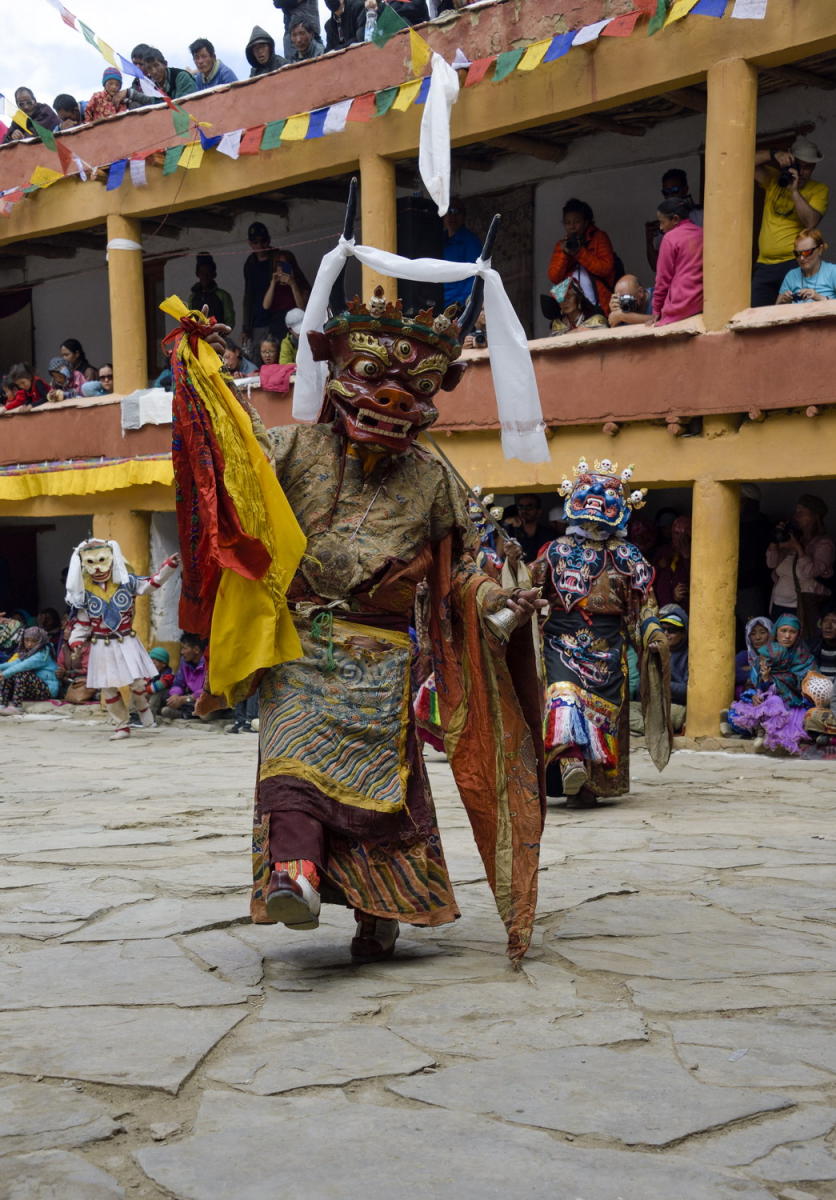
[[132, 530], [714, 548], [378, 215], [730, 128], [127, 306]]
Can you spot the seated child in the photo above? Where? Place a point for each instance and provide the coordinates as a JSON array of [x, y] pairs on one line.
[[29, 674], [189, 680]]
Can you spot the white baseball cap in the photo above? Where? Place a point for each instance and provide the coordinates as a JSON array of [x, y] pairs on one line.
[[293, 319], [806, 151]]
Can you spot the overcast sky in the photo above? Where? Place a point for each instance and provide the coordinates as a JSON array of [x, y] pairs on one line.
[[39, 51]]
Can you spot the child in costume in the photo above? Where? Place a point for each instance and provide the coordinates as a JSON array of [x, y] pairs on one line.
[[103, 592]]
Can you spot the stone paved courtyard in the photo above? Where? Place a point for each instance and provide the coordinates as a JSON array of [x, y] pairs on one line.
[[672, 1036]]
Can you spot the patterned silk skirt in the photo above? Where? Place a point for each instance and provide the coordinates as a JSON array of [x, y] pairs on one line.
[[338, 743]]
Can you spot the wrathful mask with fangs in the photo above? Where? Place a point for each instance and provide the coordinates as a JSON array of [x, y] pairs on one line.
[[382, 384], [599, 499], [97, 561]]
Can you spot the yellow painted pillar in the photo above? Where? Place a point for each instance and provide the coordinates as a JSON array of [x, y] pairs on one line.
[[378, 216], [132, 530], [730, 127], [127, 306], [714, 547]]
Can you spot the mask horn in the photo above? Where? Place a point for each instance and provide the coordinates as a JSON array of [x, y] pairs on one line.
[[336, 301], [477, 292]]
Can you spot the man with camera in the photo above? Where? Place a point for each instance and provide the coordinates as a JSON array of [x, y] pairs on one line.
[[793, 201], [630, 303]]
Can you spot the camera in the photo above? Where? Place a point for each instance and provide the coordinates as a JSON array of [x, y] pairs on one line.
[[628, 303], [785, 174], [572, 243], [785, 530], [479, 338]]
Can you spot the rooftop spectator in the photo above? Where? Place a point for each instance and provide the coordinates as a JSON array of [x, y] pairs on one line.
[[103, 386], [210, 70], [73, 354], [292, 10], [111, 100], [290, 342], [678, 290], [269, 350], [346, 25], [30, 389], [70, 112], [261, 53], [801, 557], [812, 279], [60, 377], [174, 81], [288, 289], [460, 245], [674, 187], [414, 12], [29, 674], [630, 303], [793, 202], [236, 362], [134, 96], [577, 311], [304, 40], [33, 111], [585, 254], [205, 292]]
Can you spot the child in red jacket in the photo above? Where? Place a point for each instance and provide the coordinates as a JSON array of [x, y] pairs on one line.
[[30, 392]]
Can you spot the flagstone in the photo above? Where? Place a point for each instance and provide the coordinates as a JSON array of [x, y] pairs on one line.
[[41, 1116], [161, 918]]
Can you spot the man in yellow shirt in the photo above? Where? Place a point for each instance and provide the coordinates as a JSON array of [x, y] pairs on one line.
[[793, 202]]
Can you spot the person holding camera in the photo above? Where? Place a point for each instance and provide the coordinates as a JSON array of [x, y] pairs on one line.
[[801, 558], [288, 289], [585, 254], [793, 202], [812, 278], [630, 303]]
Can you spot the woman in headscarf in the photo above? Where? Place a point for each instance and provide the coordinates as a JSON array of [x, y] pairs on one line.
[[29, 674], [576, 311], [776, 706]]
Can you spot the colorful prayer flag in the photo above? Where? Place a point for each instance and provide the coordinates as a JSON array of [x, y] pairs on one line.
[[388, 24], [622, 26], [296, 128], [208, 143], [424, 90], [658, 19], [126, 66], [709, 8], [406, 95], [271, 139], [138, 175], [172, 158], [65, 156], [478, 70], [230, 143], [384, 100], [561, 44], [251, 140], [89, 34], [107, 52], [316, 125], [534, 55], [590, 33], [180, 121], [506, 63], [362, 108], [419, 51], [337, 116], [21, 120], [679, 9], [44, 177], [46, 135], [116, 174], [192, 156], [749, 10]]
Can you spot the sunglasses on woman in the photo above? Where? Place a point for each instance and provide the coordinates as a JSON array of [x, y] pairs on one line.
[[805, 253]]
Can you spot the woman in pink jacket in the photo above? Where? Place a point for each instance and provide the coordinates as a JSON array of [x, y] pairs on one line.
[[678, 290]]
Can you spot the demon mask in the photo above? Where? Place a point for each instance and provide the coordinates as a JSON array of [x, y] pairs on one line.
[[596, 496], [385, 370], [96, 561]]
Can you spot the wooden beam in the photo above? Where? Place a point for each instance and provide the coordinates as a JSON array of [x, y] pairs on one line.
[[41, 248], [689, 98], [518, 143], [260, 204], [799, 77], [199, 218], [608, 125]]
